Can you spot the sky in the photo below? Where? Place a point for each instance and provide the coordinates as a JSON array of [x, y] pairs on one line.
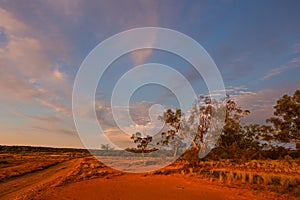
[[254, 44]]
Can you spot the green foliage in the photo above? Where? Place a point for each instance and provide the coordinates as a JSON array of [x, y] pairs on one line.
[[172, 118], [172, 138], [201, 116], [286, 121], [199, 128], [233, 133], [236, 141], [142, 142], [247, 142]]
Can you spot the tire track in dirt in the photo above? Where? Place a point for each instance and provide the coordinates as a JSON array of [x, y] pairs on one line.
[[25, 186]]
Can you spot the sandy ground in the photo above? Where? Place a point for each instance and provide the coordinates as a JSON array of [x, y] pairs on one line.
[[138, 187], [59, 182]]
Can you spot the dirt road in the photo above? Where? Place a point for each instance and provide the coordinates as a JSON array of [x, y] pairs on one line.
[[25, 186], [136, 187], [62, 182]]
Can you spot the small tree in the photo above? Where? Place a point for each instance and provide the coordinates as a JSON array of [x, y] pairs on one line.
[[287, 119], [235, 139], [142, 142], [106, 147], [232, 130], [172, 138]]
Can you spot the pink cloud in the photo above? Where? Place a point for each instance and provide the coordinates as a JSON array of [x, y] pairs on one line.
[[10, 23], [140, 56], [261, 103], [28, 72], [66, 110], [45, 118]]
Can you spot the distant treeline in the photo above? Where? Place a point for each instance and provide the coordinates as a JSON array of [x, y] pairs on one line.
[[215, 154], [20, 149], [247, 155], [96, 152], [133, 152]]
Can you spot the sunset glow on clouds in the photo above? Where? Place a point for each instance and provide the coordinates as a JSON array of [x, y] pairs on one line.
[[42, 44]]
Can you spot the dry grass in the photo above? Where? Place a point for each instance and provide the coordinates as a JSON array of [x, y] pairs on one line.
[[274, 175], [290, 167], [17, 164], [279, 176], [89, 168]]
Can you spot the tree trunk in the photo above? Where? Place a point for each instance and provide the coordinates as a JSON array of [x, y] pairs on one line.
[[175, 151], [191, 155]]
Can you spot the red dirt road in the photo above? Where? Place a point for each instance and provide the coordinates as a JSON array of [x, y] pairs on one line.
[[137, 187], [24, 186], [63, 182]]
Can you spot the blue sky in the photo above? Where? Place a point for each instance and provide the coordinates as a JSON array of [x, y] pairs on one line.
[[255, 44]]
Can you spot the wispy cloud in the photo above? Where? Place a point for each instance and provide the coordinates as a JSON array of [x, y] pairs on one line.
[[66, 110], [10, 23], [54, 130], [139, 113], [45, 118], [43, 42], [144, 12], [294, 63], [31, 77], [26, 66], [140, 56], [261, 102], [296, 48]]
